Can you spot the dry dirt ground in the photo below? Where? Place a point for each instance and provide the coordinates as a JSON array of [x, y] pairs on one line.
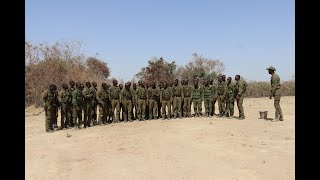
[[191, 148]]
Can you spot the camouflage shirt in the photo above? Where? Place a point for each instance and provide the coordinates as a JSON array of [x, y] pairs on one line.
[[275, 85], [114, 93], [141, 93]]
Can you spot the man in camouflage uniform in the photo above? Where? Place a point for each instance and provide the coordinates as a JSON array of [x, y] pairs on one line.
[[177, 95], [126, 97], [239, 91], [71, 89], [77, 104], [182, 102], [134, 101], [222, 91], [148, 87], [230, 98], [171, 103], [141, 97], [152, 99], [102, 100], [94, 103], [109, 107], [121, 105], [159, 102], [114, 94], [275, 92], [165, 99], [87, 106], [186, 91], [214, 97], [208, 92], [65, 99], [197, 97], [56, 107], [48, 98]]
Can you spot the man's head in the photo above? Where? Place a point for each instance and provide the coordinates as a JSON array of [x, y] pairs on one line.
[[94, 84], [81, 86], [115, 82], [176, 82], [165, 85], [104, 86], [186, 81], [120, 86], [139, 82], [52, 87], [223, 77], [65, 86], [161, 84], [129, 84], [220, 79], [237, 77], [126, 85], [271, 69], [153, 84], [134, 86], [88, 84], [171, 83], [196, 82], [72, 83], [147, 85], [229, 80], [78, 85]]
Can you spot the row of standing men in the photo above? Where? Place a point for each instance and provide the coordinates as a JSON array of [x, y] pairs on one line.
[[142, 102]]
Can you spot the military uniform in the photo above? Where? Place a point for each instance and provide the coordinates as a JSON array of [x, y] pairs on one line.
[[56, 108], [214, 99], [276, 94], [134, 104], [152, 99], [126, 96], [197, 97], [165, 99], [103, 106], [77, 104], [239, 91], [230, 100], [186, 91], [94, 105], [222, 91], [71, 123], [114, 94], [141, 96], [87, 106], [65, 100], [48, 98], [177, 96], [208, 92]]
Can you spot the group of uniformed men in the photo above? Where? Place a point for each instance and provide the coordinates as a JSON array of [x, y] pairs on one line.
[[142, 102]]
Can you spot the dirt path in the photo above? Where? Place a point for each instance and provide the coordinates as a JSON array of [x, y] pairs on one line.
[[191, 148]]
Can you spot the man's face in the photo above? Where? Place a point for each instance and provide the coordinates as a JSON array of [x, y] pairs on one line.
[[236, 78], [72, 83], [134, 86], [270, 71], [120, 86], [176, 82], [153, 85], [196, 82], [229, 80], [115, 82], [94, 84]]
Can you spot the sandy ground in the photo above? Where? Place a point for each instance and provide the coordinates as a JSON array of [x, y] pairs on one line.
[[191, 148]]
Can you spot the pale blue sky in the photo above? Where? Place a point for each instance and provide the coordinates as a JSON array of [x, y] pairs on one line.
[[247, 35]]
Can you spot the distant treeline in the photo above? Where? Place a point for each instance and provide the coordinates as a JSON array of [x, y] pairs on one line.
[[64, 60]]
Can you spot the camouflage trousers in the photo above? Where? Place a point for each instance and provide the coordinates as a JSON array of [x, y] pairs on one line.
[[94, 112], [50, 114], [103, 113], [222, 104], [65, 115], [177, 107], [187, 107], [77, 114], [87, 110], [213, 109], [115, 105], [240, 106], [141, 109], [208, 106], [278, 113], [166, 104], [127, 109], [230, 106], [197, 106], [153, 109]]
